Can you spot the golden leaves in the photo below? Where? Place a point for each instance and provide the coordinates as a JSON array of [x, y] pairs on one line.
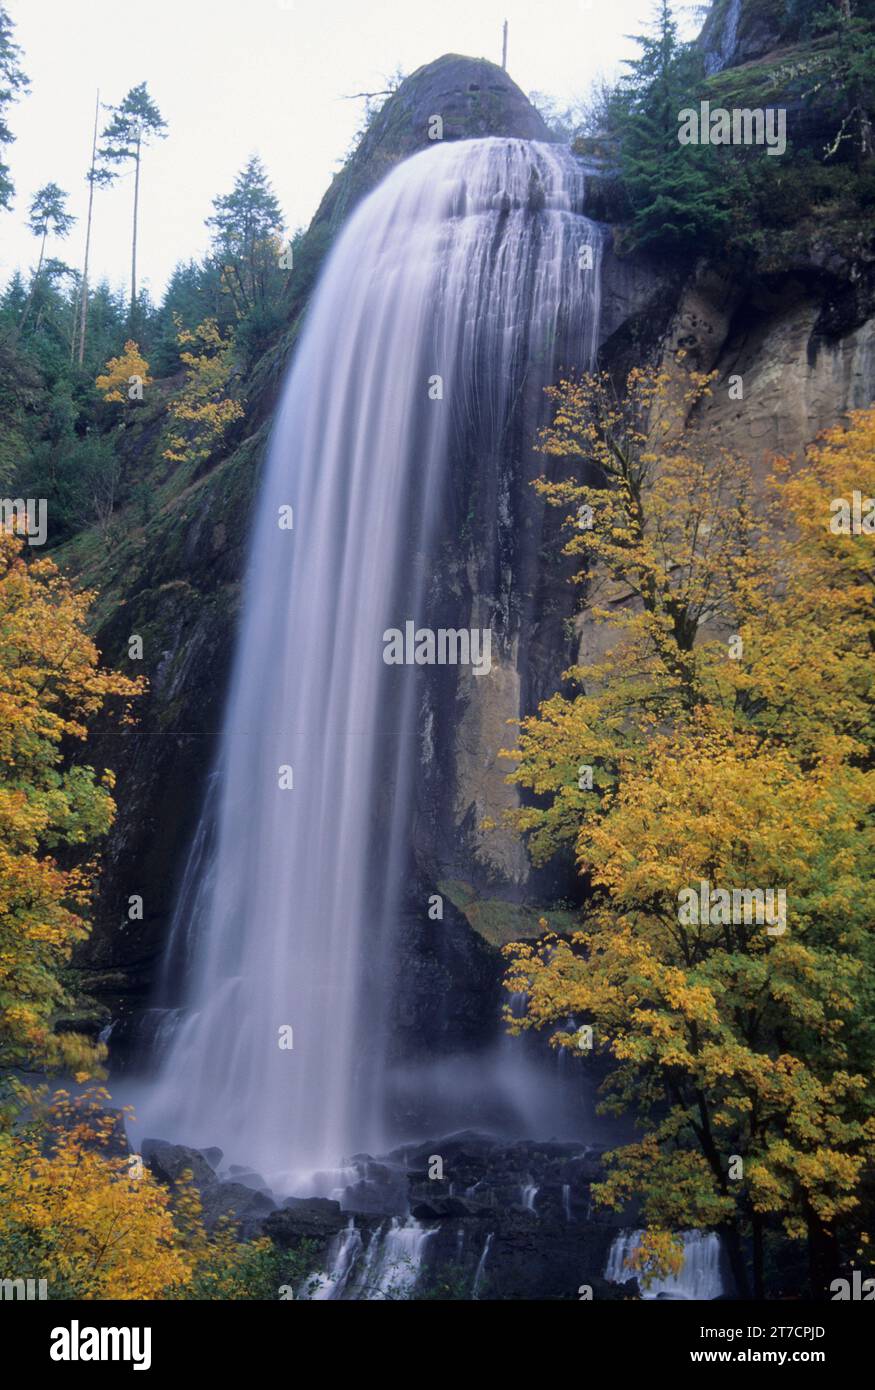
[[120, 371], [741, 772], [50, 687]]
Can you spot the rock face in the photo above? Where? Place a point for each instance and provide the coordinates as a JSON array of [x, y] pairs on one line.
[[239, 1202], [471, 98], [801, 335], [737, 31]]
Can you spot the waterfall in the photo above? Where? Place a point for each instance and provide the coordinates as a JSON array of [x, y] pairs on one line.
[[700, 1277], [528, 1193], [481, 1266], [466, 264], [717, 58], [387, 1269], [343, 1253], [394, 1268], [566, 1200]]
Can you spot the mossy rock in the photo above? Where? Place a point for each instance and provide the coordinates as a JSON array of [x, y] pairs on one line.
[[499, 922]]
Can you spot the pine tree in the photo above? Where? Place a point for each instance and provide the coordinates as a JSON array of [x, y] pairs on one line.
[[674, 190], [247, 226], [12, 84], [47, 214], [135, 121], [97, 174]]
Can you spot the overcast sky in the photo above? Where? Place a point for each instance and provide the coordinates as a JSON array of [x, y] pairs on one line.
[[237, 77]]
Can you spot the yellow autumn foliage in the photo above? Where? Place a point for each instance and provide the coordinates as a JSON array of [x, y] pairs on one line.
[[727, 733], [203, 411], [90, 1219], [115, 382], [51, 688]]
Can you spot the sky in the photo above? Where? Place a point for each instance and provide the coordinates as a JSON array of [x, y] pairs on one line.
[[234, 78]]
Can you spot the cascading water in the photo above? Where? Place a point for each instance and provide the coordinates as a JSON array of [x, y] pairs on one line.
[[481, 1266], [395, 1268], [470, 263], [699, 1278], [345, 1249], [528, 1193], [718, 58]]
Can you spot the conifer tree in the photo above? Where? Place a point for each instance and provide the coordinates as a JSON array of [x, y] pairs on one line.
[[47, 214], [12, 84], [135, 121], [674, 189], [247, 226]]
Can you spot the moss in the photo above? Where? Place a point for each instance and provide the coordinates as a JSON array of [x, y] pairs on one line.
[[758, 83], [498, 921]]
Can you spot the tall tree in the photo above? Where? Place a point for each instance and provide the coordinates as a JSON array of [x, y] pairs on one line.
[[97, 174], [47, 214], [247, 226], [135, 121], [12, 84]]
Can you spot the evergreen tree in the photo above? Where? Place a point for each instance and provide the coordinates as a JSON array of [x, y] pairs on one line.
[[193, 294], [12, 83], [97, 174], [674, 190], [135, 121], [247, 227], [854, 67], [47, 214]]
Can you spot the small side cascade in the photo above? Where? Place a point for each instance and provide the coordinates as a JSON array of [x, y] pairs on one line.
[[386, 1268], [344, 1251], [397, 1258], [481, 1265], [700, 1278]]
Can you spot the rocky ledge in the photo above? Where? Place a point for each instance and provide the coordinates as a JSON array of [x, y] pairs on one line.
[[463, 1216]]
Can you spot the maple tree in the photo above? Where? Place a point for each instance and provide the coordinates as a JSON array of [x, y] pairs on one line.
[[89, 1218], [51, 688], [114, 381], [738, 763], [202, 412]]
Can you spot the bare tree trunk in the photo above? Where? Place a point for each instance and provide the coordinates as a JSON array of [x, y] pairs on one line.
[[134, 241], [29, 305], [824, 1258], [83, 318], [758, 1285], [737, 1261]]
